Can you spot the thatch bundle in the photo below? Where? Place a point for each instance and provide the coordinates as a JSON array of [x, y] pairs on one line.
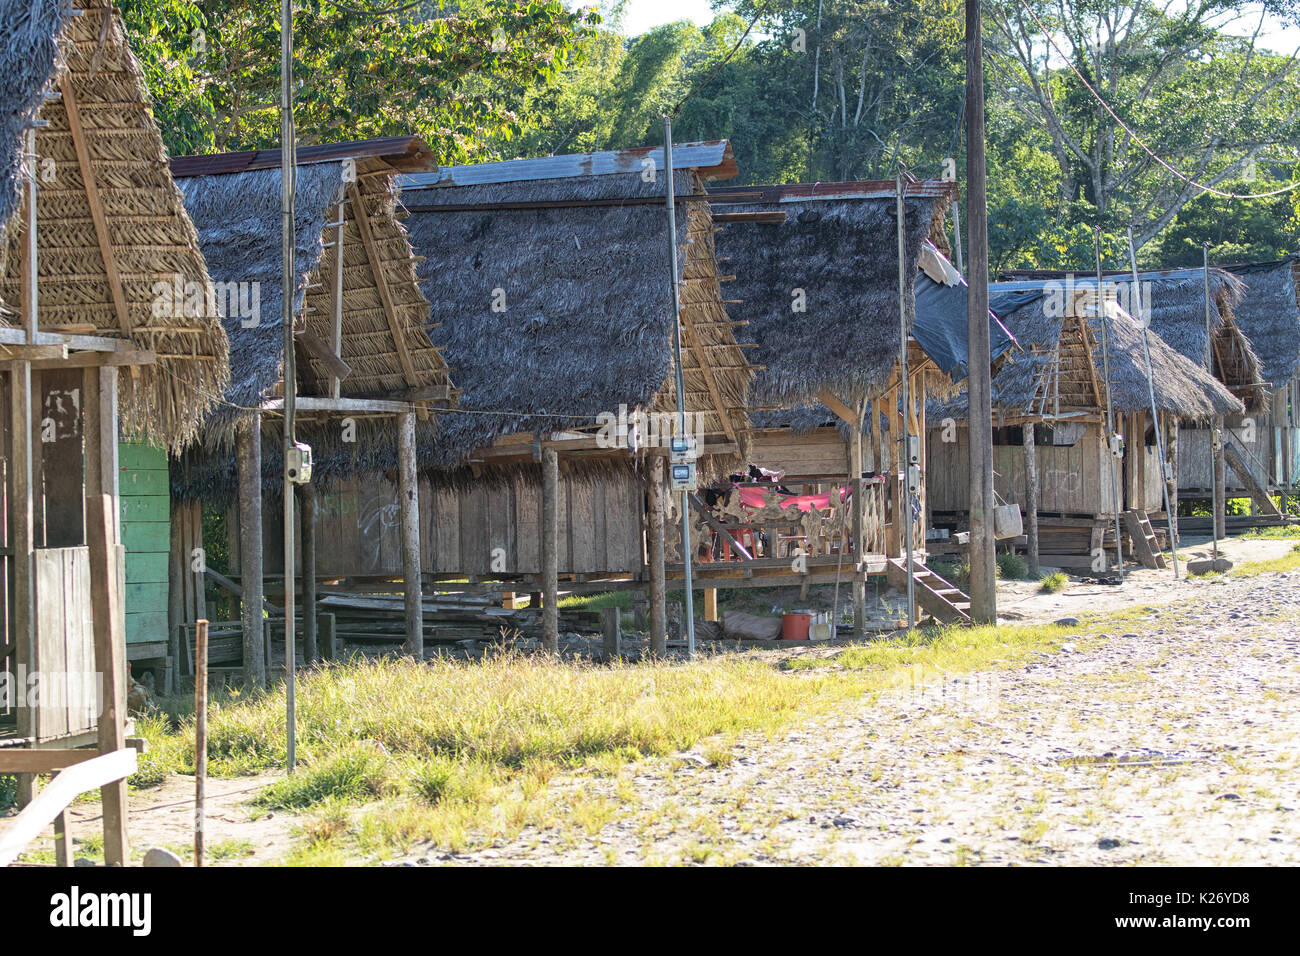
[[1268, 315], [28, 52], [238, 216], [102, 151], [552, 316]]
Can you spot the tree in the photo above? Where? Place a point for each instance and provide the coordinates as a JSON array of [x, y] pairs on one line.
[[1211, 104], [451, 76]]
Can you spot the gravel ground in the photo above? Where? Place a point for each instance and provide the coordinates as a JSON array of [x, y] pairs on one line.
[[1174, 742]]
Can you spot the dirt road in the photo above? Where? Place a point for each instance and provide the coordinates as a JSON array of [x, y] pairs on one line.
[[1177, 741]]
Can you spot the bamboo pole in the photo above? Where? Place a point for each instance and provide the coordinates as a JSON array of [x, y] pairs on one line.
[[550, 550]]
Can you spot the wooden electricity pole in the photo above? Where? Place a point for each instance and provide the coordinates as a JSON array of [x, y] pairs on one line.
[[983, 585]]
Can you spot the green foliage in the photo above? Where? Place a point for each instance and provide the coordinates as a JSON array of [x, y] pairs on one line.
[[356, 772], [454, 78], [1053, 583], [1012, 566]]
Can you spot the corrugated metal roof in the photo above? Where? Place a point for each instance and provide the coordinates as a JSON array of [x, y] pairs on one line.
[[713, 160], [405, 153], [861, 189]]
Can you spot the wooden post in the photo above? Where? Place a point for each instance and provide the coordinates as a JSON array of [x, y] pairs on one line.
[[1171, 449], [409, 493], [859, 579], [613, 633], [248, 451], [24, 636], [200, 734], [711, 604], [62, 841], [983, 565], [1031, 498], [307, 521], [655, 556], [178, 563], [110, 653], [328, 638], [1221, 483], [550, 550]]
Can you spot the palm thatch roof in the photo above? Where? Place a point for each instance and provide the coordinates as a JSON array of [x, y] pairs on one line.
[[818, 290], [383, 338], [549, 288], [1173, 302], [1268, 315], [110, 225], [1062, 367]]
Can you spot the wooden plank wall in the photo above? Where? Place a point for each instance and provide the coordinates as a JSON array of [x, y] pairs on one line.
[[65, 644], [820, 453], [481, 530], [1072, 479], [1196, 463], [145, 503]]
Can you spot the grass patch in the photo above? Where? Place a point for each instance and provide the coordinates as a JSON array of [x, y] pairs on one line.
[[1288, 562], [395, 753], [1274, 532], [1053, 583]]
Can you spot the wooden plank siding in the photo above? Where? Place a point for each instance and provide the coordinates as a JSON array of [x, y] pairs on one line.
[[1072, 479], [1195, 461], [463, 531], [146, 535]]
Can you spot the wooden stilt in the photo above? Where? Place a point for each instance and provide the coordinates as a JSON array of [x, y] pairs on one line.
[[710, 604], [655, 555], [859, 578], [307, 520], [1031, 498], [1221, 480], [409, 493], [248, 451], [550, 550]]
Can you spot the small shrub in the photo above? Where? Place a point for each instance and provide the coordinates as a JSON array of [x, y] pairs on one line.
[[358, 772], [1051, 583], [1012, 566]]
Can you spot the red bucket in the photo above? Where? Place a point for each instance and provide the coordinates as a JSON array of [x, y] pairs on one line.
[[794, 627]]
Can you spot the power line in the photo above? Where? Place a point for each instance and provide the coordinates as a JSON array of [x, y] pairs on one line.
[[725, 60], [1137, 139]]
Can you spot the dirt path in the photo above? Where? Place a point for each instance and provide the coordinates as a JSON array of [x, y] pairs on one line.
[[998, 767]]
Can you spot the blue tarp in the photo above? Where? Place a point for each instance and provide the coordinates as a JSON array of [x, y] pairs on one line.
[[941, 327]]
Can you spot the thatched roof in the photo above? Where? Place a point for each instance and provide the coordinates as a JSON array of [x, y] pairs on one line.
[[552, 298], [1268, 315], [28, 52], [837, 260], [238, 215], [110, 223], [1062, 365], [1174, 303]]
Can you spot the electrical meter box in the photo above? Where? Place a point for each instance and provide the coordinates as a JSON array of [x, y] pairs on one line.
[[681, 477], [297, 463], [682, 450], [914, 449], [913, 479], [1117, 445]]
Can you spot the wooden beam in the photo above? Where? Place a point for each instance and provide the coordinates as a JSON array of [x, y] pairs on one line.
[[360, 215], [320, 349], [310, 403], [74, 341], [96, 205], [42, 760], [101, 771], [108, 622], [702, 360], [842, 411]]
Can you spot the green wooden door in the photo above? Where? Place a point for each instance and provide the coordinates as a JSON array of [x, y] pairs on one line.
[[146, 527]]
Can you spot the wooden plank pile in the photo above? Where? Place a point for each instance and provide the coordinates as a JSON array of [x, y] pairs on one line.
[[448, 618]]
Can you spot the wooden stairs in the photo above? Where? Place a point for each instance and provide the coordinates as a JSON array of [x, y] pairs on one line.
[[1264, 503], [1145, 546], [937, 597]]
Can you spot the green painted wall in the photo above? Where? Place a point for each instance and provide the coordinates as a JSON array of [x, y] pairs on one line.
[[146, 534]]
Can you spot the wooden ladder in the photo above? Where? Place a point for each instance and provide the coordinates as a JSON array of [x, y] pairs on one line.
[[1145, 545], [939, 598], [1258, 493]]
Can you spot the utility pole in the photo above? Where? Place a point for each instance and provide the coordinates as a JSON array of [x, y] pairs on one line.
[[979, 388], [288, 173]]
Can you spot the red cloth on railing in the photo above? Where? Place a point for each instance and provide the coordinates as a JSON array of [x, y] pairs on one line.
[[753, 498]]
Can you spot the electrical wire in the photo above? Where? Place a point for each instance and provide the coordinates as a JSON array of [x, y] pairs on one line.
[[725, 60], [1137, 139]]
